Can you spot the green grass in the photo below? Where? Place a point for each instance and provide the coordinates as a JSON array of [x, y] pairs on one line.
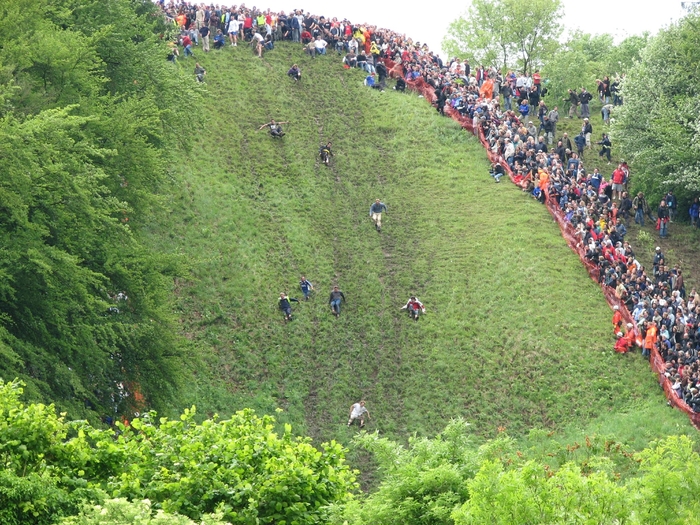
[[516, 334]]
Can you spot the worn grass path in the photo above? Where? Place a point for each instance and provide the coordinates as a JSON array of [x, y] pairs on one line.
[[516, 334]]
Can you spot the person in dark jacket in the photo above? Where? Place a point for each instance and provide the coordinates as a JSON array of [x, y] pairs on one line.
[[580, 141], [335, 299], [605, 147], [672, 204], [584, 98], [285, 305], [375, 212]]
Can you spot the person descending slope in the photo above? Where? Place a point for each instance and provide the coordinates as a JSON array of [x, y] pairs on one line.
[[325, 153], [286, 306], [358, 411], [335, 299], [306, 287], [414, 307], [375, 212], [275, 128]]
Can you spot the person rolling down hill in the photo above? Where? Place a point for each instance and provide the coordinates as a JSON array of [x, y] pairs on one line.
[[294, 72], [358, 411], [414, 307], [325, 153], [275, 128], [286, 306], [375, 212], [335, 299], [306, 287]]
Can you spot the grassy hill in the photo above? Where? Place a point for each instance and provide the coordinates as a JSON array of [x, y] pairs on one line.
[[516, 334]]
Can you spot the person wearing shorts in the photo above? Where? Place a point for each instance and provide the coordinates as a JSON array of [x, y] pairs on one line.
[[357, 412], [234, 27], [375, 212]]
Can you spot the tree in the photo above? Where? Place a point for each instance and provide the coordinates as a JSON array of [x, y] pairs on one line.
[[240, 468], [658, 128], [503, 29], [482, 37]]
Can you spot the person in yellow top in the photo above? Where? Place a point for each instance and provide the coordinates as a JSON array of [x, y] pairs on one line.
[[544, 179]]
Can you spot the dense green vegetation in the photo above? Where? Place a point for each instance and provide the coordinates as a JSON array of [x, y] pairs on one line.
[[499, 345], [147, 229], [89, 110], [239, 468], [657, 128], [451, 480]]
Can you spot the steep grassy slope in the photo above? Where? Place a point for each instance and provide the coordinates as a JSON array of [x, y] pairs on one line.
[[516, 334]]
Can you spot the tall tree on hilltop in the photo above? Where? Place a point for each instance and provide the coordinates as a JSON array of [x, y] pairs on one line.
[[499, 30], [658, 127]]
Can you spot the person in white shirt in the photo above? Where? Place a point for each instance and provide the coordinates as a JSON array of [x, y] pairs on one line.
[[320, 45], [234, 26], [358, 411]]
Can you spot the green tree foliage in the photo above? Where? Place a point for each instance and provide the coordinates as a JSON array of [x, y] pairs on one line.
[[88, 110], [657, 129], [120, 511], [506, 32], [583, 58], [240, 468], [450, 480]]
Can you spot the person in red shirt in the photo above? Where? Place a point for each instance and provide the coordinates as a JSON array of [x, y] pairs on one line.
[[187, 44], [618, 181], [622, 344]]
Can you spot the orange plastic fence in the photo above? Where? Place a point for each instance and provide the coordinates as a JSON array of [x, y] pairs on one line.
[[567, 231]]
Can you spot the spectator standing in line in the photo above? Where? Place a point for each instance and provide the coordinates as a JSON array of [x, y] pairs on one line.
[[694, 213], [625, 205], [204, 33], [375, 212], [548, 129], [554, 118], [618, 182], [507, 93], [357, 412], [382, 73], [672, 204], [663, 218], [640, 207], [573, 103], [587, 130], [234, 27], [585, 98], [335, 299], [580, 141]]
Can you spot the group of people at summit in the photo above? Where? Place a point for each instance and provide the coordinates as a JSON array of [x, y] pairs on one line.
[[521, 132]]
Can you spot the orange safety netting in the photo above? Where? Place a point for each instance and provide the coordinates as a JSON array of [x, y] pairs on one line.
[[567, 231]]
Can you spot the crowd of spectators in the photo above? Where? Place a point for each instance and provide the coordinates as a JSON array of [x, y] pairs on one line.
[[522, 141]]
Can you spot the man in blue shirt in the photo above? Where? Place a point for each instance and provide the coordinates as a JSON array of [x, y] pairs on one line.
[[306, 287], [375, 212]]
